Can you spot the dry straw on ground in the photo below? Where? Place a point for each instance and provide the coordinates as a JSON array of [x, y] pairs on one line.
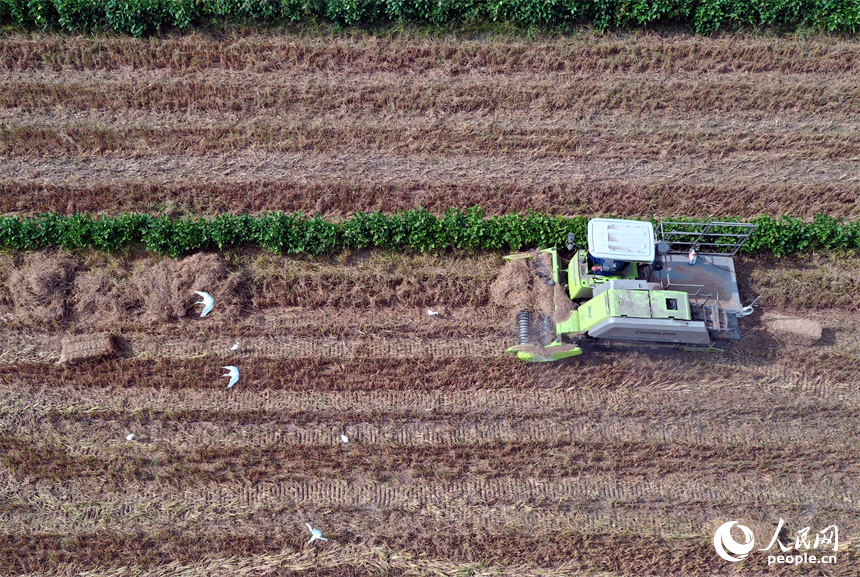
[[791, 328], [628, 125], [91, 347], [97, 299], [451, 55], [341, 197], [524, 284], [39, 288], [165, 289]]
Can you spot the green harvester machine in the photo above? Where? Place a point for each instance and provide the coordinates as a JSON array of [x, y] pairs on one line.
[[673, 285]]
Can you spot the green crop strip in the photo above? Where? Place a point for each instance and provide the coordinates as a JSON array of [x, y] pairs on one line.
[[419, 229], [142, 17]]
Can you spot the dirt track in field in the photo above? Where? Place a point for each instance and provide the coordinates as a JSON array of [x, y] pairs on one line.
[[461, 460]]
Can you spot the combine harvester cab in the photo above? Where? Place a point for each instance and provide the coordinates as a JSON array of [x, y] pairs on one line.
[[636, 286]]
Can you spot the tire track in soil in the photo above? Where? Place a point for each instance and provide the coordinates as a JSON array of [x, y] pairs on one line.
[[378, 348], [81, 427], [670, 505], [602, 551]]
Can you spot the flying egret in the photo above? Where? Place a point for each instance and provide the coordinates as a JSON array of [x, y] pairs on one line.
[[207, 301], [431, 312], [233, 373], [129, 437], [235, 347], [315, 534], [344, 438]]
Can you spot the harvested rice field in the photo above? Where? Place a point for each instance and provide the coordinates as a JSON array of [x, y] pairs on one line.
[[460, 459]]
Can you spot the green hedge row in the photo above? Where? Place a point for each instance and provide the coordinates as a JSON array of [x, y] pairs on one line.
[[419, 229], [289, 233], [142, 17]]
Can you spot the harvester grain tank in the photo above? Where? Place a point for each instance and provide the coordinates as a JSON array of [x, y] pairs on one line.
[[635, 285]]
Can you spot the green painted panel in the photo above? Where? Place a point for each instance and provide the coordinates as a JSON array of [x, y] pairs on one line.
[[629, 303], [556, 265], [553, 353], [593, 311], [570, 326], [578, 286]]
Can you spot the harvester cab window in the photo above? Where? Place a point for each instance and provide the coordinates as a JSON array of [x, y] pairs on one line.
[[606, 266]]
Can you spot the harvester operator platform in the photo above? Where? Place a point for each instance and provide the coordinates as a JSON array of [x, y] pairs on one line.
[[606, 266]]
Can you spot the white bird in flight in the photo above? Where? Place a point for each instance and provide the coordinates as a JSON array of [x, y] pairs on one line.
[[233, 373], [431, 312], [129, 437], [235, 347], [207, 301], [344, 438], [315, 534]]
